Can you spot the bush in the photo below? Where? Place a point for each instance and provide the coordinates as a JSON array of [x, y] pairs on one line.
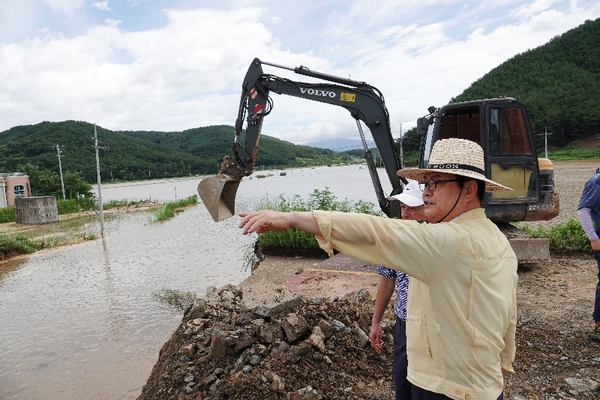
[[562, 237], [317, 200], [18, 244], [7, 214]]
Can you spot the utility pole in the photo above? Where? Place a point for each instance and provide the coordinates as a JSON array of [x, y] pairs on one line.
[[62, 183], [99, 182], [546, 141], [401, 149]]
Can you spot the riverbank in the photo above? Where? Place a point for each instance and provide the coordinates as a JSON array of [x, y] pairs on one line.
[[554, 358]]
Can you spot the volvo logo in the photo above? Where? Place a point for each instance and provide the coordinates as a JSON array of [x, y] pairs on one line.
[[317, 92]]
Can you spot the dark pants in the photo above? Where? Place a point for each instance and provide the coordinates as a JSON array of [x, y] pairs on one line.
[[596, 314], [422, 394], [400, 363]]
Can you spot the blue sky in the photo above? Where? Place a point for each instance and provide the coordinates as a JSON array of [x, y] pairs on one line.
[[179, 64]]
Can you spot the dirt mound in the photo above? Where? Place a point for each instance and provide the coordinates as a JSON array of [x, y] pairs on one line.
[[299, 349]]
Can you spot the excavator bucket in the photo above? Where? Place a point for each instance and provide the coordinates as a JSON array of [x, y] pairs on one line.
[[218, 195]]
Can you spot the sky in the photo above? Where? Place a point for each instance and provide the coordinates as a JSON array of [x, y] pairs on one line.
[[172, 65]]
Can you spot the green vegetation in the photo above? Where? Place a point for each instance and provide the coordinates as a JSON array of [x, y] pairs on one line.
[[7, 214], [562, 237], [45, 182], [170, 208], [558, 82], [16, 244], [136, 155], [175, 298], [569, 152], [317, 200]]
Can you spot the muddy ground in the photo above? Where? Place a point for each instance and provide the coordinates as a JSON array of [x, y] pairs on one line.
[[222, 350]]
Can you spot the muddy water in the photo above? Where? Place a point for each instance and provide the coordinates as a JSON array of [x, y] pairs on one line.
[[80, 322]]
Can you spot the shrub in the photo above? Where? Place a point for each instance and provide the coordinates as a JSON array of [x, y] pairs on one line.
[[562, 237], [7, 214], [317, 200]]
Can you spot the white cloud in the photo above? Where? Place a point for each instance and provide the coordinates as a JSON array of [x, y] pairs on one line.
[[101, 5], [529, 9], [112, 22], [64, 6], [187, 71]]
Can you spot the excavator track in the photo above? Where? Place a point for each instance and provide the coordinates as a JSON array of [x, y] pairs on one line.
[[529, 250]]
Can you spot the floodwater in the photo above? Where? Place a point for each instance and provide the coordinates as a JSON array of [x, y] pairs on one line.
[[80, 322]]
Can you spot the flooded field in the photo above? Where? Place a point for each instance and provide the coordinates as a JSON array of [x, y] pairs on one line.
[[79, 322]]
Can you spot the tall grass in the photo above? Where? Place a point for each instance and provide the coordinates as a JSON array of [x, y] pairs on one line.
[[567, 237], [317, 200], [16, 244], [170, 208]]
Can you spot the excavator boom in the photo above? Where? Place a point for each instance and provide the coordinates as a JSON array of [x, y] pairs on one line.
[[364, 102]]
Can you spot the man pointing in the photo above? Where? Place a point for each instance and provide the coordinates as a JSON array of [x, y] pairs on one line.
[[461, 318]]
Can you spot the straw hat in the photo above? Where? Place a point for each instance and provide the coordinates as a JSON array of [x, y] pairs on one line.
[[459, 157], [412, 195]]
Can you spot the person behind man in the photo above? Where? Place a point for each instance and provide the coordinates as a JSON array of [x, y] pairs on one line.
[[588, 213], [411, 209], [462, 308]]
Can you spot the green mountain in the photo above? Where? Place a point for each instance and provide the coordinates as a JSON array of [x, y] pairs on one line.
[[138, 155], [558, 82]]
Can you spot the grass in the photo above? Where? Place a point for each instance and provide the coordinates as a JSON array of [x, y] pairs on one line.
[[11, 244], [176, 299], [170, 208], [569, 153], [569, 237], [317, 200]]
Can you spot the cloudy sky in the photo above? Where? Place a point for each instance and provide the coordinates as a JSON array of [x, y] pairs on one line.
[[171, 65]]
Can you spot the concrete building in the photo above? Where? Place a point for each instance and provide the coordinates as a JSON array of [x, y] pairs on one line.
[[12, 186]]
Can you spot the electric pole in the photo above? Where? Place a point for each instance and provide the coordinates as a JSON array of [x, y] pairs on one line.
[[401, 149], [62, 183], [99, 182]]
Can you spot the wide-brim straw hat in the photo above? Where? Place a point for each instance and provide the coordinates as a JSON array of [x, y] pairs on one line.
[[459, 157]]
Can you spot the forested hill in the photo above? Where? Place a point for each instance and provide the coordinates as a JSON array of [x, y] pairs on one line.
[[558, 82], [137, 155]]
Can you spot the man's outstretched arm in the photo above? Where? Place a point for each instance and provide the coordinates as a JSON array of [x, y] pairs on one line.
[[275, 221]]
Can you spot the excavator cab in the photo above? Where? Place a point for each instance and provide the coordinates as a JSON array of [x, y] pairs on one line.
[[501, 127]]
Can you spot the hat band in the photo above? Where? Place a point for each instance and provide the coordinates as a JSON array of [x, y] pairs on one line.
[[456, 166]]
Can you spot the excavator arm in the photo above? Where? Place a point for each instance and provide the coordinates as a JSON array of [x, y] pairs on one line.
[[364, 102]]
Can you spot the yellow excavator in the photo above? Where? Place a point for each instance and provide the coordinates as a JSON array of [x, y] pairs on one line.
[[500, 125]]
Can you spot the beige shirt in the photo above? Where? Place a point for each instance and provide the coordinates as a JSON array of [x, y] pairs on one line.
[[462, 306]]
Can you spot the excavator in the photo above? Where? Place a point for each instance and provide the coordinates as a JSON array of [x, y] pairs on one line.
[[500, 125]]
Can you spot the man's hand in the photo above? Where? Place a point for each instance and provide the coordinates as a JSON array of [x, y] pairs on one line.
[[264, 221], [375, 336], [595, 244], [275, 221]]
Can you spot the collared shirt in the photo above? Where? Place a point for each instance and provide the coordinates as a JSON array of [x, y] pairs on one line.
[[462, 304], [589, 206], [401, 289]]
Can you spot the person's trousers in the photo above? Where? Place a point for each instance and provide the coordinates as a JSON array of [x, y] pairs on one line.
[[596, 314], [400, 362], [422, 394]]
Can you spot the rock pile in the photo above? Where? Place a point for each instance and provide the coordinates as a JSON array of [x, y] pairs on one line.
[[300, 349]]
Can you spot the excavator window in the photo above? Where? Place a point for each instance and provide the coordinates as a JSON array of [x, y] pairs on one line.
[[508, 133], [463, 123], [509, 138]]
